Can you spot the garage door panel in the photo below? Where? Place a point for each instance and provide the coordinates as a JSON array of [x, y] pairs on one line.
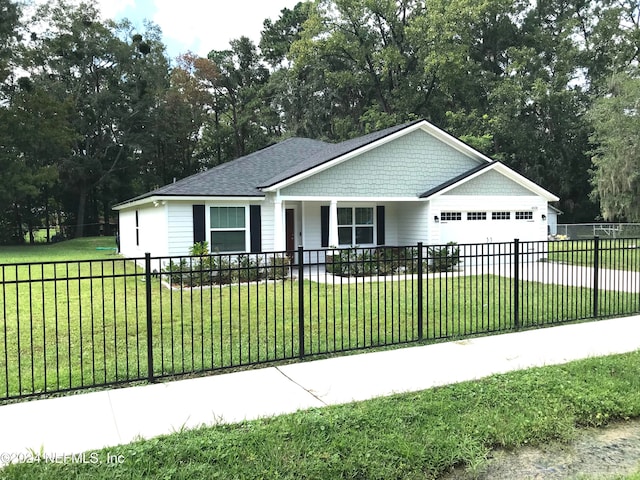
[[487, 226]]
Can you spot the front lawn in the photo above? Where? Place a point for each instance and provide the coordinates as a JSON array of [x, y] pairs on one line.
[[89, 248], [616, 254], [92, 331], [82, 324], [412, 436]]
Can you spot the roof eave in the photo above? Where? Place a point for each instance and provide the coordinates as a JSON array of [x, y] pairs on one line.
[[184, 198]]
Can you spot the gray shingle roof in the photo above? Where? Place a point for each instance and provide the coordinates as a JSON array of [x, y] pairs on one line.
[[245, 176], [333, 151], [240, 177]]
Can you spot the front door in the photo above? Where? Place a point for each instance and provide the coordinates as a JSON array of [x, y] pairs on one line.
[[290, 229]]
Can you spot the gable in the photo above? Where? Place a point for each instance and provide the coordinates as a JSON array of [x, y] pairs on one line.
[[491, 183], [403, 167]]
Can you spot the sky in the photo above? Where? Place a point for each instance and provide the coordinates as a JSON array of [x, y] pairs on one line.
[[198, 26]]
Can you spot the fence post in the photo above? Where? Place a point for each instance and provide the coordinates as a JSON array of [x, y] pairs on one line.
[[516, 281], [420, 298], [147, 279], [596, 273], [301, 300]]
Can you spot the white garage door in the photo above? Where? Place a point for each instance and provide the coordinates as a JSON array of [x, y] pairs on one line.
[[487, 226]]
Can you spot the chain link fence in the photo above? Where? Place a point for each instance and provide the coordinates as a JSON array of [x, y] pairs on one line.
[[577, 231]]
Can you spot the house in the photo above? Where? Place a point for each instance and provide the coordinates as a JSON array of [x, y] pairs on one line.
[[399, 186]]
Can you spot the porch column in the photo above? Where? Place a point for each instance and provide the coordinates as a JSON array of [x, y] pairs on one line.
[[333, 224], [278, 227]]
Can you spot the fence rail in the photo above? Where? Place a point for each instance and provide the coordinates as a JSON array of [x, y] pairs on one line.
[[83, 324]]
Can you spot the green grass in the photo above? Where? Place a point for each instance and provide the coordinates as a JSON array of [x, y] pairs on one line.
[[77, 249], [75, 330], [64, 335], [617, 254], [412, 436]]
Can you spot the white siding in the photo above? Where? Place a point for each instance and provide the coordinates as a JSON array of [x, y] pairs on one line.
[[180, 237], [127, 232], [152, 231], [412, 218], [312, 233]]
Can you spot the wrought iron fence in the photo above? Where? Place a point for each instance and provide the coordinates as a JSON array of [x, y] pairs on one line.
[[83, 324]]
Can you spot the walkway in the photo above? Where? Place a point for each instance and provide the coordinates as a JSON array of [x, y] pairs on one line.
[[72, 424]]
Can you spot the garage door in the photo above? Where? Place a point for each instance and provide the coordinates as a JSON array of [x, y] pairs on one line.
[[487, 226]]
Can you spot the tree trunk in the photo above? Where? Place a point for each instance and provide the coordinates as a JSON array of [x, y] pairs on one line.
[[19, 231], [106, 229], [82, 203], [47, 222]]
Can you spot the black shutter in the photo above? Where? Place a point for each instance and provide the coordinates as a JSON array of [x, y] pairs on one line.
[[324, 226], [380, 224], [198, 224], [255, 228]]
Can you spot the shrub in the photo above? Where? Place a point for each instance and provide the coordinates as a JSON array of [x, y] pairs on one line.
[[443, 259], [202, 268], [353, 262], [278, 268]]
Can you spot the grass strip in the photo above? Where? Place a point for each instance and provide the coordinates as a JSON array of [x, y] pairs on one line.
[[417, 435]]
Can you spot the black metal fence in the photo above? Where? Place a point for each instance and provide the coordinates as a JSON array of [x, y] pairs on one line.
[[82, 324]]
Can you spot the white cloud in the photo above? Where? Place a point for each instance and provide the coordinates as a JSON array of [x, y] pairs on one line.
[[111, 8], [197, 25], [204, 25]]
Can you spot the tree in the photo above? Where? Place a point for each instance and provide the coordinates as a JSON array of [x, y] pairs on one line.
[[616, 138], [109, 82], [241, 120]]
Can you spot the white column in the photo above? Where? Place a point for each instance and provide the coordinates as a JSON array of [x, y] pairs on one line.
[[278, 226], [333, 224]]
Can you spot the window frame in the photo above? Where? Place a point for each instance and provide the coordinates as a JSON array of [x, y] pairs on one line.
[[527, 214], [354, 225], [501, 215], [451, 216], [245, 228], [476, 216]]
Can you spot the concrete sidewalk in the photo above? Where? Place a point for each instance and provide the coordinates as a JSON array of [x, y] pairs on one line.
[[73, 424]]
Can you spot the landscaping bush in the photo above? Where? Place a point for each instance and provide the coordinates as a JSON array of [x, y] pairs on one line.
[[354, 262], [443, 259], [278, 268], [202, 268]]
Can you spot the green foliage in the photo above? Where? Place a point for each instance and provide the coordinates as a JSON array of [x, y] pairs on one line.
[[203, 268], [444, 259], [616, 138], [358, 262], [199, 249]]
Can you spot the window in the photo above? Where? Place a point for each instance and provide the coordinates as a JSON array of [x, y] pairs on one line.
[[476, 215], [137, 230], [500, 215], [524, 215], [228, 229], [355, 226], [450, 216]]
